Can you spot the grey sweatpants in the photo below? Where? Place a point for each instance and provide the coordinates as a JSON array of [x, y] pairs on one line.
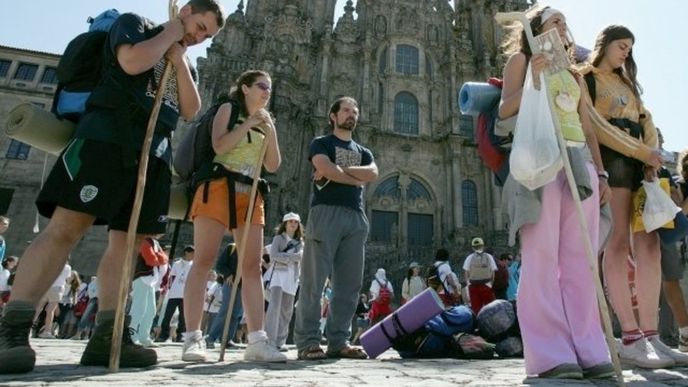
[[278, 316], [335, 244]]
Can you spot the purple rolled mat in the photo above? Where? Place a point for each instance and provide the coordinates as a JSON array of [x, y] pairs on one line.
[[409, 317]]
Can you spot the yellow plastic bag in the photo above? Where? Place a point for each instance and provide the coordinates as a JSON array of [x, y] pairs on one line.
[[639, 198]]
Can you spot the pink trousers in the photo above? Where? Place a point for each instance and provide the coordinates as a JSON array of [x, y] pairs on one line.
[[557, 307]]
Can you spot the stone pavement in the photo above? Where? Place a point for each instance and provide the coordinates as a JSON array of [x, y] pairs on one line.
[[57, 365]]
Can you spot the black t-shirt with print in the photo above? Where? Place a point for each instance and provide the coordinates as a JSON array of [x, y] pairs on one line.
[[102, 122], [344, 154]]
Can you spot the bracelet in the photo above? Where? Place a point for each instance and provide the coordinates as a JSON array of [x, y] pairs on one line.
[[603, 174]]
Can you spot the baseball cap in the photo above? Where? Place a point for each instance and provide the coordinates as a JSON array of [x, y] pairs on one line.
[[414, 264], [477, 242]]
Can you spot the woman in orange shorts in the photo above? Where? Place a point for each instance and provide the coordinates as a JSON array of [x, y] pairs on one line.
[[221, 205]]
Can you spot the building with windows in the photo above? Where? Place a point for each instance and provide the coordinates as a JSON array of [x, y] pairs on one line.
[[30, 76], [404, 61]]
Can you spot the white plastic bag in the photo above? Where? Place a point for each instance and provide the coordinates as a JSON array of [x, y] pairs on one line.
[[535, 157], [659, 208]]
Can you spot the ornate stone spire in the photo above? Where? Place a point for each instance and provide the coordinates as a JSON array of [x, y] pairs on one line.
[[346, 25]]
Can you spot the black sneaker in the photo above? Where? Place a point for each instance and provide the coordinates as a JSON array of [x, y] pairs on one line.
[[16, 355], [97, 352]]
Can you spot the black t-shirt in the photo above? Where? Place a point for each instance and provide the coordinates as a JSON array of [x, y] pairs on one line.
[[103, 124], [344, 154]]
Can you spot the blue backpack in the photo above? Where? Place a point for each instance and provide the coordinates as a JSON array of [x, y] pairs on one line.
[[80, 67], [453, 320]]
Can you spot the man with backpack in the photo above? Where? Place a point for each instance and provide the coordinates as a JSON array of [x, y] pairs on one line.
[[451, 287], [95, 177], [480, 268]]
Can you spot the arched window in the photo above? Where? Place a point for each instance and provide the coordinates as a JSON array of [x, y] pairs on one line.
[[407, 59], [405, 113], [469, 194], [410, 213]]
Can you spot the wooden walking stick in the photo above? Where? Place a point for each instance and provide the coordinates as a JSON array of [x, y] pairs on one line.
[[242, 246], [590, 254], [131, 249]]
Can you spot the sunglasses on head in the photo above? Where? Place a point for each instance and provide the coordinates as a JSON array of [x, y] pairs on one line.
[[263, 86]]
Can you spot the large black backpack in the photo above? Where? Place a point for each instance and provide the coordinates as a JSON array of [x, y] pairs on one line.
[[81, 66]]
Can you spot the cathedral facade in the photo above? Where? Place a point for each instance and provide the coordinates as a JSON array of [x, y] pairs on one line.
[[403, 61]]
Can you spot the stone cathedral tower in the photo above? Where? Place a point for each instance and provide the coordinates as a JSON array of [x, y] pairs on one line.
[[403, 60]]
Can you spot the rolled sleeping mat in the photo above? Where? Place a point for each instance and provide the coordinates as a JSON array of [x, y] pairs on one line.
[[408, 318], [39, 128], [179, 202], [478, 97]]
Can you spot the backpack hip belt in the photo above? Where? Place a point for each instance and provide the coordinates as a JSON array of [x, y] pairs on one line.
[[218, 171]]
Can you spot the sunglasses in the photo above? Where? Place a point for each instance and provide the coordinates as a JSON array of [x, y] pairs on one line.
[[263, 86]]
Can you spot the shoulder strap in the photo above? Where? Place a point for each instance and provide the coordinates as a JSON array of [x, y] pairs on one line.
[[234, 115], [591, 83]]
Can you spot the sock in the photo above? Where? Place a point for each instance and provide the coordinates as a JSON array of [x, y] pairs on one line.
[[683, 331], [192, 336], [19, 311], [630, 337], [651, 334], [256, 336], [103, 316]]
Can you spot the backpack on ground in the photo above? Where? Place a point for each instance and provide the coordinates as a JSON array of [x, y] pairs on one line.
[[468, 346], [81, 66], [497, 321], [453, 320]]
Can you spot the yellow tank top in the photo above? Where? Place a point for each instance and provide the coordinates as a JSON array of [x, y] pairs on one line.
[[565, 93], [243, 157]]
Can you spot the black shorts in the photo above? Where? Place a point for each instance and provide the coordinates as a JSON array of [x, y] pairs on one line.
[[90, 177], [624, 172]]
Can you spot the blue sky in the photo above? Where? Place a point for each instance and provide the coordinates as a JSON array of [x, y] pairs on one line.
[[47, 25]]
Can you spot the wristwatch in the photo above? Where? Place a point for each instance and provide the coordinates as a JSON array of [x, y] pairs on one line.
[[603, 174]]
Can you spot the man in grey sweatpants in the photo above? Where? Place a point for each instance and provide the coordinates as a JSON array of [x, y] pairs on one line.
[[336, 232]]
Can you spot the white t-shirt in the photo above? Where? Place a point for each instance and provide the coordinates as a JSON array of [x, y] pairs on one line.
[[444, 270], [490, 260], [61, 279], [180, 270], [215, 295]]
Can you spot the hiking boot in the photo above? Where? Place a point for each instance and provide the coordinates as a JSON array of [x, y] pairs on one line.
[[661, 348], [97, 352], [563, 371], [600, 371], [263, 351], [641, 354], [194, 347], [16, 355], [683, 343]]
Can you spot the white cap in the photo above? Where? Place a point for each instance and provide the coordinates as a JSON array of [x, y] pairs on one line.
[[291, 216]]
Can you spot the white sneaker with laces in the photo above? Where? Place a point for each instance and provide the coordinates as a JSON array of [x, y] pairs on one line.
[[194, 347], [661, 348], [642, 354], [263, 351]]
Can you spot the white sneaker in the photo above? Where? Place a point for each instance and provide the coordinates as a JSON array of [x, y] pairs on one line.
[[263, 351], [642, 354], [683, 343], [662, 349], [194, 347]]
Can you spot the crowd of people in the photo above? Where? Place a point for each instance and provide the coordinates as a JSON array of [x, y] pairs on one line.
[[311, 274]]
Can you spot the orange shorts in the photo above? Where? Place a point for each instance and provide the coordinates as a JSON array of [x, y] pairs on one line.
[[218, 203]]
